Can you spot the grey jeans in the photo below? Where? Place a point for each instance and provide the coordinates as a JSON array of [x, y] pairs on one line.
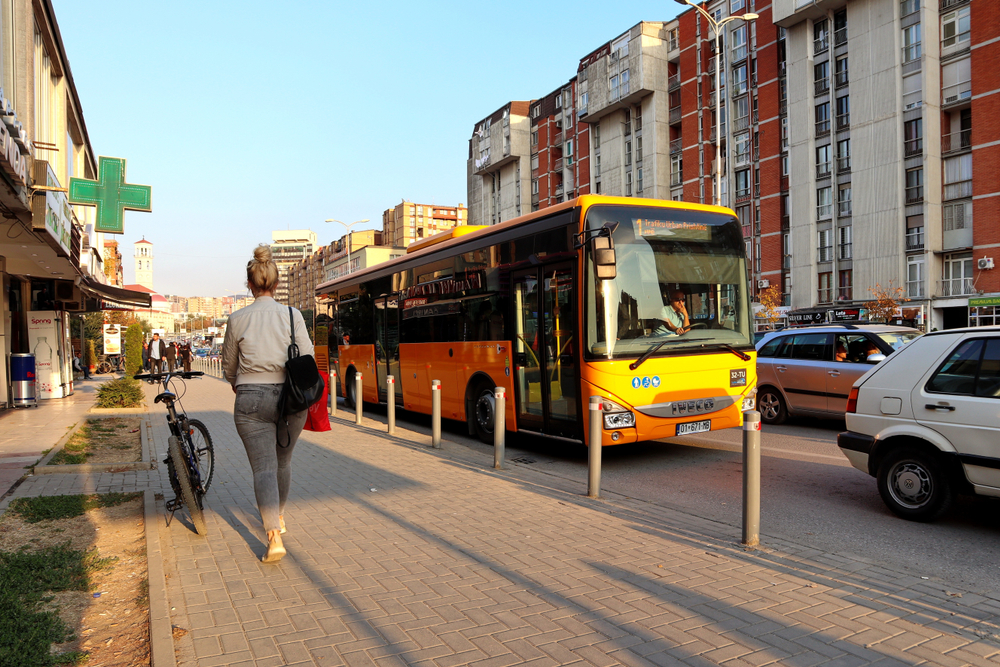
[[259, 424]]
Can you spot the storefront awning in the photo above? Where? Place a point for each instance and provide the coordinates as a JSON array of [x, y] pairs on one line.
[[115, 297]]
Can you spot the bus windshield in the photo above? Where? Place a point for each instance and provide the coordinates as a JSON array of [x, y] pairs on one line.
[[681, 284]]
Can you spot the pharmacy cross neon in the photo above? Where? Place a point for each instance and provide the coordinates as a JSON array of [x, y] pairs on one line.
[[111, 195]]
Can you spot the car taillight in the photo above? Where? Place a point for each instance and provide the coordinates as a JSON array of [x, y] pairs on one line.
[[852, 400]]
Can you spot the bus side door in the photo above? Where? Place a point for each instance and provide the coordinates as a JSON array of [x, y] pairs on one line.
[[387, 346]]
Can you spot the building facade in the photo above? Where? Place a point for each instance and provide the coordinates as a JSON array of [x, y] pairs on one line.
[[407, 222], [288, 248], [498, 169], [560, 148], [856, 140]]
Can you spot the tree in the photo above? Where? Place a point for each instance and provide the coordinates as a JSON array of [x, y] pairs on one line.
[[771, 299], [884, 302], [133, 349]]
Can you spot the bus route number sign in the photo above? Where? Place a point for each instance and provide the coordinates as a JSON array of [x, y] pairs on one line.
[[738, 377]]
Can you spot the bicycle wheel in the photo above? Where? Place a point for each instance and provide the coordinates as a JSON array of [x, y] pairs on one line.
[[184, 481], [103, 368], [201, 445]]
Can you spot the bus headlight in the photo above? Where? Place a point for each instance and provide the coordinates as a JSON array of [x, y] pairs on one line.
[[749, 400], [616, 416]]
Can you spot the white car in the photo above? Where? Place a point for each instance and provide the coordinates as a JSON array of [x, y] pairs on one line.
[[926, 422]]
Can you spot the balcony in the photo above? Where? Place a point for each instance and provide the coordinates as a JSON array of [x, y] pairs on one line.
[[914, 194], [739, 53], [956, 287], [740, 124], [675, 115], [824, 211], [948, 4], [915, 289], [914, 239], [742, 159], [673, 82], [844, 165], [676, 146], [840, 37], [841, 78], [844, 208], [957, 190], [823, 170], [843, 121], [913, 147], [911, 53], [956, 141], [557, 165], [822, 44], [956, 94], [557, 139], [559, 190], [958, 238], [822, 128]]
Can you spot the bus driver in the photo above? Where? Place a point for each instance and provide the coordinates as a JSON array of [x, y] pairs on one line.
[[675, 316]]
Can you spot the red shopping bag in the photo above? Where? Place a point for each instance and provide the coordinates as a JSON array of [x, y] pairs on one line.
[[318, 418]]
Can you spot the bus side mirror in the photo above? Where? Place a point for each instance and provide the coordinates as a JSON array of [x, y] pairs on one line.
[[603, 250]]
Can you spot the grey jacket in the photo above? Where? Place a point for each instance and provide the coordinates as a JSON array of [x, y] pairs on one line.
[[257, 338]]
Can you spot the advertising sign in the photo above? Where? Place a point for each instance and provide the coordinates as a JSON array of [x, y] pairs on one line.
[[51, 209], [112, 339], [43, 339]]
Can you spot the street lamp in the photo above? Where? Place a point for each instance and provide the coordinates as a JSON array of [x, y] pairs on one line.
[[356, 222], [717, 26]]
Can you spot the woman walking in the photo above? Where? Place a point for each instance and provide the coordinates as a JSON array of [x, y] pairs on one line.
[[253, 360]]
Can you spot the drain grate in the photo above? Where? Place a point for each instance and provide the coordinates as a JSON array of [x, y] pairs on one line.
[[523, 459]]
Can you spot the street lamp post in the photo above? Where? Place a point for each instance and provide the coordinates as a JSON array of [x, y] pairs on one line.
[[717, 26], [348, 226]]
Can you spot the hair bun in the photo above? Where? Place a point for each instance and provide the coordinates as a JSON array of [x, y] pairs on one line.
[[262, 253]]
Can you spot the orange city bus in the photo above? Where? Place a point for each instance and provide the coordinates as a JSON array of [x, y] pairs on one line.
[[557, 306]]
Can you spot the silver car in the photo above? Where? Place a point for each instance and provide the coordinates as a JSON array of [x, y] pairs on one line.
[[809, 370]]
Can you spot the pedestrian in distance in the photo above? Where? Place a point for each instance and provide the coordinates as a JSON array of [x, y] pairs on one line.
[[145, 355], [253, 360], [157, 354], [186, 356], [171, 357]]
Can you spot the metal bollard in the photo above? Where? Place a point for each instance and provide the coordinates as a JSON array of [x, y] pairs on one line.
[[332, 392], [436, 414], [751, 478], [499, 427], [390, 385], [357, 399], [595, 444]]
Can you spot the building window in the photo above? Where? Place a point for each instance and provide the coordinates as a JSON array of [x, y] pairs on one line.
[[784, 133], [842, 77], [534, 162], [741, 114], [844, 200], [534, 186], [825, 292], [956, 81], [824, 249], [568, 152], [844, 243], [784, 165], [843, 112], [914, 185], [638, 148], [956, 276], [958, 176], [742, 183], [956, 216], [840, 28], [822, 119], [534, 138], [907, 7], [821, 37], [845, 288], [535, 110], [676, 167], [623, 79], [638, 180], [739, 41], [628, 183], [844, 155], [911, 43], [613, 85], [912, 92], [955, 28], [824, 203], [821, 77], [628, 153], [742, 141], [823, 161], [914, 233], [597, 166], [736, 6], [595, 135], [913, 137], [740, 80]]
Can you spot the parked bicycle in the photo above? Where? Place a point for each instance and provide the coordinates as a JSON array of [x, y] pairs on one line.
[[110, 364], [191, 456]]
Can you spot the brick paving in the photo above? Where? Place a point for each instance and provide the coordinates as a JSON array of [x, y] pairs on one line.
[[401, 555]]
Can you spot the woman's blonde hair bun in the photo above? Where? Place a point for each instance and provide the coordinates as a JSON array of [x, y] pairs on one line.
[[262, 272]]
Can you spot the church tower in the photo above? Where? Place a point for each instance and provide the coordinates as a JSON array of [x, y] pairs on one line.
[[144, 263]]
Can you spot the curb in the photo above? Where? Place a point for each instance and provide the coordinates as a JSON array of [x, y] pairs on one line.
[[58, 446], [161, 639]]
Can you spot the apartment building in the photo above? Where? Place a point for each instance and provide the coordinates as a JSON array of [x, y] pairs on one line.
[[288, 248], [407, 222], [560, 148], [304, 276], [498, 168]]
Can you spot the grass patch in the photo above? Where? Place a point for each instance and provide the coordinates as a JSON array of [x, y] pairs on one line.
[[45, 508], [123, 392], [27, 629]]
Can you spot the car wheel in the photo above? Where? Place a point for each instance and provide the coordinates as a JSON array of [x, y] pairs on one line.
[[771, 406], [914, 485]]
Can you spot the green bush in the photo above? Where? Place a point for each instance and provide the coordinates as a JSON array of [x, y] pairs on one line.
[[121, 393], [133, 351], [91, 354]]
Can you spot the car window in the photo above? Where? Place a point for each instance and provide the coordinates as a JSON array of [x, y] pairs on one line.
[[957, 375], [898, 339], [856, 346], [769, 348], [988, 383], [814, 347]]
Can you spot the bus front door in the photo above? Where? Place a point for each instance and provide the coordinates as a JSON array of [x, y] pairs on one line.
[[544, 361], [387, 346]]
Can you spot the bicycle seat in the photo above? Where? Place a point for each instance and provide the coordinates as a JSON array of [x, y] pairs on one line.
[[165, 396]]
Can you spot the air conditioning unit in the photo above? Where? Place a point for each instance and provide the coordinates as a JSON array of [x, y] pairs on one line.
[[763, 284], [985, 263]]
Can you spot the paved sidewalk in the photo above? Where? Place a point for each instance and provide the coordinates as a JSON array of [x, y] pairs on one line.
[[399, 554]]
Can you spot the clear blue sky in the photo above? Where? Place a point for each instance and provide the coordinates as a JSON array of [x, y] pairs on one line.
[[248, 116]]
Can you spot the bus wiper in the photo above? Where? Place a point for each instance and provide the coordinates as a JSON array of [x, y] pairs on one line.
[[726, 346], [646, 355]]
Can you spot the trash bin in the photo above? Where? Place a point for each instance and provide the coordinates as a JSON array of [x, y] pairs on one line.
[[22, 375]]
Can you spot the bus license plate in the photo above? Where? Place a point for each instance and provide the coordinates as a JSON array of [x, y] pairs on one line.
[[694, 427]]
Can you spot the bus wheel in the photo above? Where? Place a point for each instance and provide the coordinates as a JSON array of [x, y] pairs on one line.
[[484, 412], [350, 389]]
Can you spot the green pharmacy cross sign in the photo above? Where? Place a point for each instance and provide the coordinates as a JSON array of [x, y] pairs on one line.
[[110, 194]]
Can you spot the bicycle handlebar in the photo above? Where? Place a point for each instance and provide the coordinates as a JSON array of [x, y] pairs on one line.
[[156, 376]]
